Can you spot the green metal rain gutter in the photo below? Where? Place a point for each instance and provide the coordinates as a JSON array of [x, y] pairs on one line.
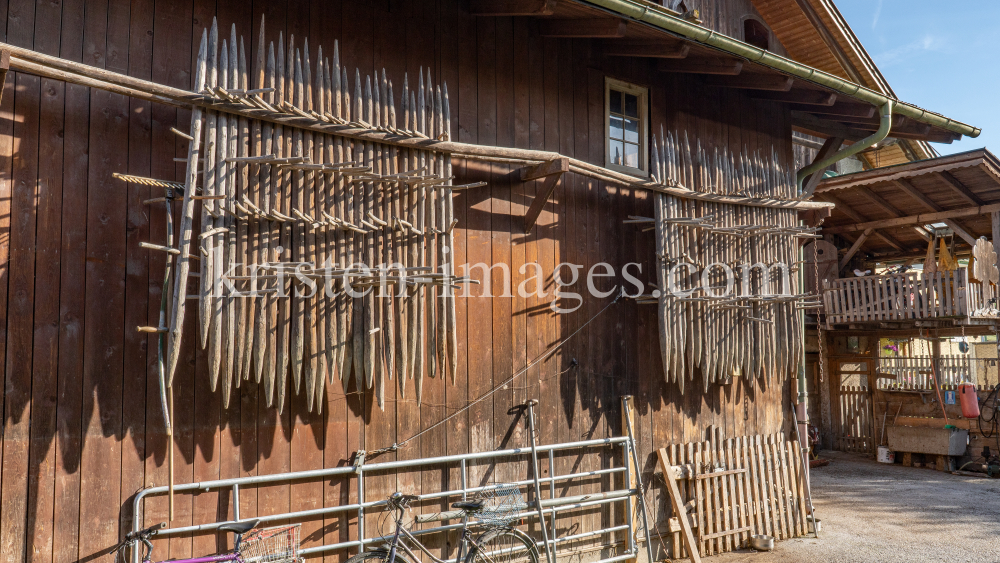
[[885, 123], [660, 17]]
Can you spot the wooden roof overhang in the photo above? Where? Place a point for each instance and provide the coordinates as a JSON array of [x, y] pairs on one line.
[[815, 33], [889, 209], [816, 108]]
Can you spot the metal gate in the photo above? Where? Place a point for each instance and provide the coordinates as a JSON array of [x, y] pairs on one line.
[[354, 476], [853, 429]]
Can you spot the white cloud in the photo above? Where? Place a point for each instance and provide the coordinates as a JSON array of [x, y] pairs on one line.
[[878, 10], [927, 43]]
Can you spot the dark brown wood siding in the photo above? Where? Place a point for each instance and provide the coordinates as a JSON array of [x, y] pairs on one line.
[[82, 425]]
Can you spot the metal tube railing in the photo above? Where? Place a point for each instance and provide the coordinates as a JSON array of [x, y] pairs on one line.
[[550, 506]]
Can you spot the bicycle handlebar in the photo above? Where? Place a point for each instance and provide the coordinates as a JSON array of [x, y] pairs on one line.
[[146, 532]]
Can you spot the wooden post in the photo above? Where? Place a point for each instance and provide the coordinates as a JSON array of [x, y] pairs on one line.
[[995, 222], [675, 500], [825, 406], [628, 421], [935, 360]]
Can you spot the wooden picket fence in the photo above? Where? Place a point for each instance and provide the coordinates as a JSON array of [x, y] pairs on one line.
[[897, 297], [854, 421], [730, 489]]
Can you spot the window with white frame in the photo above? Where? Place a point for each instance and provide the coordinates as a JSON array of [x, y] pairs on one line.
[[626, 122]]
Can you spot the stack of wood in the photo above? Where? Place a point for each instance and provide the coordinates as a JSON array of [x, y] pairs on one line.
[[723, 491], [745, 319], [320, 256]]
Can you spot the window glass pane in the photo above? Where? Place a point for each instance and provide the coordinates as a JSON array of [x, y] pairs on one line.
[[631, 105], [616, 101], [616, 127], [631, 155], [631, 130], [616, 149]]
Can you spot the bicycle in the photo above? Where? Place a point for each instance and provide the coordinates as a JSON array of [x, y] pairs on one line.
[[279, 544], [500, 543]]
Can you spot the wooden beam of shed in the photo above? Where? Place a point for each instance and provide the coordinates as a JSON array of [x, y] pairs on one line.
[[911, 190], [589, 27], [769, 82], [716, 67], [890, 241], [839, 108], [551, 171], [854, 248], [922, 219], [831, 146], [512, 7], [855, 216], [657, 50], [4, 67], [879, 201], [960, 188], [865, 122], [955, 226], [841, 206], [808, 97]]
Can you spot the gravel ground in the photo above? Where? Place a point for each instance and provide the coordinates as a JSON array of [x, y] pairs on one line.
[[873, 512]]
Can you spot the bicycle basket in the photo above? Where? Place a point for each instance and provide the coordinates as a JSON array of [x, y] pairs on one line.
[[501, 504], [279, 544]]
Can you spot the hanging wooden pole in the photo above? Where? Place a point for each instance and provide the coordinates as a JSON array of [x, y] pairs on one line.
[[4, 67]]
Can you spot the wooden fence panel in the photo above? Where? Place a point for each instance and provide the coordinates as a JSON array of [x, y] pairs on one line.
[[734, 488]]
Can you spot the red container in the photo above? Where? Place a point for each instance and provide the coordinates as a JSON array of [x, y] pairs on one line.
[[969, 400]]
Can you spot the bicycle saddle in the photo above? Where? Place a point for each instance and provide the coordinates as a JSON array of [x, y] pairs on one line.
[[239, 527], [467, 505]]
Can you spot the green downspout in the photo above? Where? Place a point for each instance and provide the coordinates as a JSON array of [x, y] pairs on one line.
[[885, 123]]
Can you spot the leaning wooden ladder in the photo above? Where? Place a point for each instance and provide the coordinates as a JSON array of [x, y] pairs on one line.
[[725, 490]]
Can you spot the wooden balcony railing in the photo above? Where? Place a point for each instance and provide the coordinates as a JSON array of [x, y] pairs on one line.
[[906, 296]]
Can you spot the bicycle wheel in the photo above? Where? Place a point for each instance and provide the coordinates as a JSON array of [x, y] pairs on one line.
[[503, 545], [378, 557]]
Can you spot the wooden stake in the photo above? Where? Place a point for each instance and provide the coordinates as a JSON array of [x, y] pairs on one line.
[[187, 218]]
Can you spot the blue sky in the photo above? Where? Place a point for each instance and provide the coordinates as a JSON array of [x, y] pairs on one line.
[[937, 55]]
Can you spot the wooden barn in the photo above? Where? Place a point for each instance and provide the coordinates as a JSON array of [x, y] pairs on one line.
[[240, 240]]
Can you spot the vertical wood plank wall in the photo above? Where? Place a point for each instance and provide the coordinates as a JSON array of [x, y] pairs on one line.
[[82, 428]]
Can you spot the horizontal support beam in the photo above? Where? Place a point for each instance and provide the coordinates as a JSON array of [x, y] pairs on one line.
[[769, 82], [838, 109], [713, 66], [591, 27], [512, 7], [826, 128], [33, 62], [922, 219], [808, 97], [543, 169], [658, 50]]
